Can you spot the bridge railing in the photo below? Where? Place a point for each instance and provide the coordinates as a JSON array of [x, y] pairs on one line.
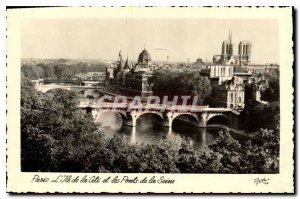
[[160, 107], [71, 86]]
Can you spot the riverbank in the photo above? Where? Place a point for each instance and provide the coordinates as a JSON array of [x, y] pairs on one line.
[[239, 134], [235, 132]]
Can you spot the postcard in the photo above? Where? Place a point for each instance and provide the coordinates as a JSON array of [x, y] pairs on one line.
[[150, 100]]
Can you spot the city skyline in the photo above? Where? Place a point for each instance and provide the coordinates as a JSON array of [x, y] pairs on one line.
[[178, 39]]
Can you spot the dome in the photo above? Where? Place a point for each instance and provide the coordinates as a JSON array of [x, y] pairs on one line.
[[144, 57]]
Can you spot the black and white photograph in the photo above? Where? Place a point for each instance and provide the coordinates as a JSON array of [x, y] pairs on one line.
[[150, 95]]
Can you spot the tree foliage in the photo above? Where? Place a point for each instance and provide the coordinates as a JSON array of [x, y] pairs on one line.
[[50, 129], [57, 70], [271, 94], [248, 157], [172, 83], [257, 115]]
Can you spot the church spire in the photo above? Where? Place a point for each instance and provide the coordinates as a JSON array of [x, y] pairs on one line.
[[120, 59], [230, 35], [126, 65], [120, 62]]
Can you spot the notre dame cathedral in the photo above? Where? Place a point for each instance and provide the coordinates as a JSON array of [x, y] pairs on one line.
[[228, 58]]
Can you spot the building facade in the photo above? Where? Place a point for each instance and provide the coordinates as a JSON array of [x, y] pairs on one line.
[[235, 92], [132, 80], [221, 72], [230, 94], [244, 52], [136, 80]]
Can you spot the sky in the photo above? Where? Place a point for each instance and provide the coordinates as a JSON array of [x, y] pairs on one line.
[[177, 38]]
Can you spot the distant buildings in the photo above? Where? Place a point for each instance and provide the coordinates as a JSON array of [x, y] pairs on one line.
[[228, 78], [100, 76], [229, 74], [262, 68], [198, 65], [91, 78]]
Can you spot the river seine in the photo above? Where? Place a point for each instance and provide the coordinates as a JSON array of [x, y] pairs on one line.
[[148, 130]]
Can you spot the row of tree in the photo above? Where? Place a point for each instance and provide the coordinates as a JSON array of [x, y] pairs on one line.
[[58, 71], [57, 136]]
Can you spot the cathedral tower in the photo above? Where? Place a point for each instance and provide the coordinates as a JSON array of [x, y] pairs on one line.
[[245, 52], [227, 48]]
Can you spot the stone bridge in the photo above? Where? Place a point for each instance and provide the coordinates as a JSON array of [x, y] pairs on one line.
[[47, 87], [81, 90], [196, 116]]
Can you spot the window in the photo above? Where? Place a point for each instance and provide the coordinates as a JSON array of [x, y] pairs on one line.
[[215, 70]]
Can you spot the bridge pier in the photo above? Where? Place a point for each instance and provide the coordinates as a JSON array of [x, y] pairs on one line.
[[168, 120], [131, 123], [95, 113], [133, 135], [131, 119], [203, 120]]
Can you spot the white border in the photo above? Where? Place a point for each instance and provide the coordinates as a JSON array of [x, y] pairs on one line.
[[104, 2]]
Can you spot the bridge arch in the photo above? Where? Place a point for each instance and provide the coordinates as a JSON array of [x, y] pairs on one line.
[[121, 113], [193, 117], [49, 90], [98, 90], [157, 114], [81, 91], [218, 119], [88, 93]]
